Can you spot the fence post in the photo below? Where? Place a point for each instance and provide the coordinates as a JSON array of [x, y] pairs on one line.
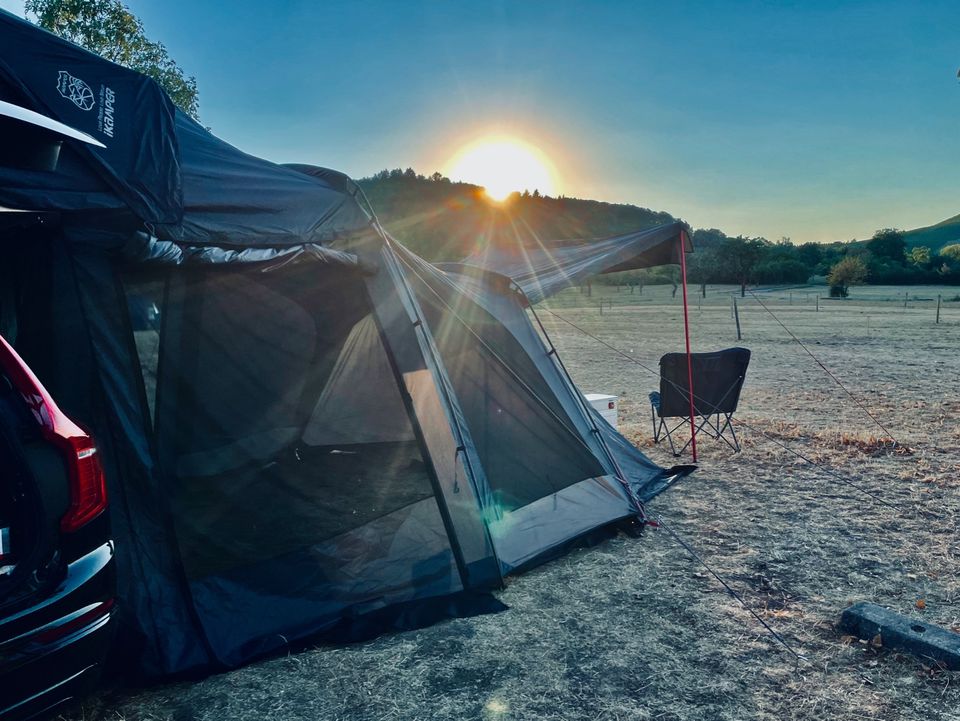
[[938, 308], [818, 302], [736, 315]]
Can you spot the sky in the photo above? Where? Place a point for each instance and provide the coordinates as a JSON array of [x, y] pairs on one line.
[[817, 121]]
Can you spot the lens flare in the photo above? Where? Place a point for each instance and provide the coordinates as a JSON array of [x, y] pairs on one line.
[[503, 165]]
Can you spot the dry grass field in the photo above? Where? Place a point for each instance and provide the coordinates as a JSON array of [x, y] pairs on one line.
[[633, 628]]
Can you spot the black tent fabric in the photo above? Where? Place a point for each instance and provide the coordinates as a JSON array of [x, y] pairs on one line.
[[308, 431], [235, 200], [126, 111]]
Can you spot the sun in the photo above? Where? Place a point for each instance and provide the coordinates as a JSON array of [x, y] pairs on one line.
[[503, 165]]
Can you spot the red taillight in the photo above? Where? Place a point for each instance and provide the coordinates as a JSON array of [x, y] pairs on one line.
[[88, 487], [611, 405], [88, 491]]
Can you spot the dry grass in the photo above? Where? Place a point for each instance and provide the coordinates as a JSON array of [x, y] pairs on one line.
[[633, 629]]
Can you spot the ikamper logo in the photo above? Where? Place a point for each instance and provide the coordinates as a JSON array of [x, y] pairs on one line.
[[76, 91]]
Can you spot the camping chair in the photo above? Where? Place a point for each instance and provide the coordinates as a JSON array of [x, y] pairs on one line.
[[717, 380]]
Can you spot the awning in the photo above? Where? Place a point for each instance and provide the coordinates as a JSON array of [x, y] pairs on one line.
[[545, 267]]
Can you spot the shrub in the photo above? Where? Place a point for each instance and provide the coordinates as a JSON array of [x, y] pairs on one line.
[[849, 271]]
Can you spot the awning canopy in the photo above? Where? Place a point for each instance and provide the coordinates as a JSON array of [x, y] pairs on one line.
[[545, 267]]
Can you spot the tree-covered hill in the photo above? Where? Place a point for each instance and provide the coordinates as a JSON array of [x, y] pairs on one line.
[[442, 221], [936, 236]]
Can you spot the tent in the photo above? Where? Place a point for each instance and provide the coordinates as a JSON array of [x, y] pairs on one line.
[[308, 430]]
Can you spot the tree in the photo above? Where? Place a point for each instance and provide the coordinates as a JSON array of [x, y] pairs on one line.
[[920, 255], [740, 256], [707, 237], [888, 244], [849, 271], [810, 254], [108, 28], [951, 251], [702, 267]]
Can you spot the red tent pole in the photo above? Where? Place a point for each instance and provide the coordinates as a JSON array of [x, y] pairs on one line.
[[686, 333]]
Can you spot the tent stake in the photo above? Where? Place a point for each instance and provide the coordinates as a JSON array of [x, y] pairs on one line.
[[686, 335]]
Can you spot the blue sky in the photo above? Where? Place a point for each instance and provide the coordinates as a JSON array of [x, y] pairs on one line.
[[814, 120]]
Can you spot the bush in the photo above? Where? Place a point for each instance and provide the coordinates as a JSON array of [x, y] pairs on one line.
[[849, 271]]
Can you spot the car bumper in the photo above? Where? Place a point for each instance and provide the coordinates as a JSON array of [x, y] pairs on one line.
[[52, 652]]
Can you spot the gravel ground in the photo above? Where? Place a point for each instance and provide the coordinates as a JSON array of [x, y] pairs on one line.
[[634, 628]]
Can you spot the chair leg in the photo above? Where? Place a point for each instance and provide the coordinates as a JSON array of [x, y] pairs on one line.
[[669, 431], [653, 420], [733, 432], [721, 435]]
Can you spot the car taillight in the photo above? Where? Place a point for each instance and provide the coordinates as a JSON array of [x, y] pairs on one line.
[[88, 492], [88, 487], [6, 550]]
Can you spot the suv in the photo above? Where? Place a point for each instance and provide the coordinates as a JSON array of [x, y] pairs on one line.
[[57, 577], [56, 560]]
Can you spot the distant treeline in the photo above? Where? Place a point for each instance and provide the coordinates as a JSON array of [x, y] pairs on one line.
[[443, 220]]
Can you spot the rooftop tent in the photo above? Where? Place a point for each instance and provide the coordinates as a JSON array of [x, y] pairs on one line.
[[126, 111], [308, 430]]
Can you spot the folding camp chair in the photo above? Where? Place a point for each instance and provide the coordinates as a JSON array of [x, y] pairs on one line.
[[717, 380]]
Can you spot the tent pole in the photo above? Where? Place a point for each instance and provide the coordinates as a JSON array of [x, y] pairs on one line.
[[686, 334]]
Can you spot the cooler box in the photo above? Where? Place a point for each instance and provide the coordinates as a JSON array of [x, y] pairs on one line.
[[605, 405]]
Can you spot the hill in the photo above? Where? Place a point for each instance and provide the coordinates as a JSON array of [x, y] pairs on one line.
[[935, 236], [442, 220], [446, 221]]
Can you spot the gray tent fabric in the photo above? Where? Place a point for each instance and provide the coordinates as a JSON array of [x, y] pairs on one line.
[[350, 408], [309, 432], [545, 267]]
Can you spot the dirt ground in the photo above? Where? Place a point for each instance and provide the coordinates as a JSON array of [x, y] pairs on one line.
[[633, 628]]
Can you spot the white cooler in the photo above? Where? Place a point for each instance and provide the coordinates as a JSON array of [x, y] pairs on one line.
[[605, 405]]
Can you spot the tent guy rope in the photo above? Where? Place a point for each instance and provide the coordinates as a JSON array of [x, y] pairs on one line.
[[743, 423], [827, 370], [660, 523]]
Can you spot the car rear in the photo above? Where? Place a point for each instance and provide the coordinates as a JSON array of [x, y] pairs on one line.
[[56, 558]]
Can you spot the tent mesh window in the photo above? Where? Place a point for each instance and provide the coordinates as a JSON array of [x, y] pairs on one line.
[[291, 462], [527, 444], [144, 300]]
